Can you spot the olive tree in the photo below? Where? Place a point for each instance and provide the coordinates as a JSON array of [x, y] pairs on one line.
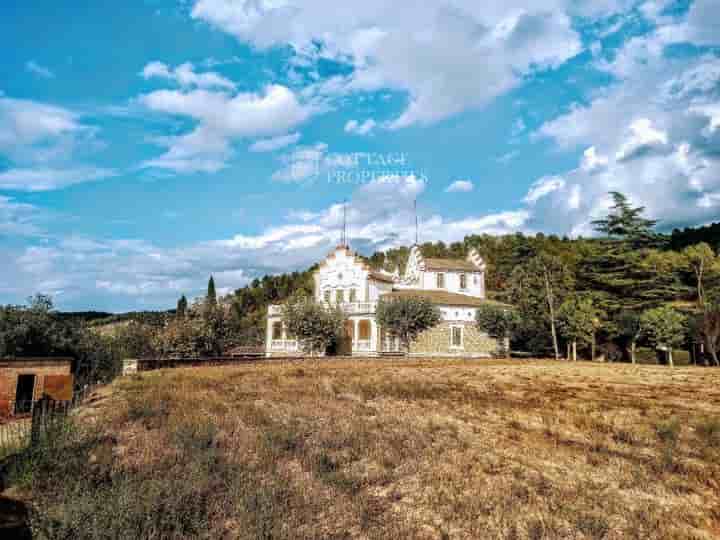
[[664, 328], [406, 317], [314, 325]]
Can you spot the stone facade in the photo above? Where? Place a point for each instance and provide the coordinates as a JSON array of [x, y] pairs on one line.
[[51, 376], [438, 342]]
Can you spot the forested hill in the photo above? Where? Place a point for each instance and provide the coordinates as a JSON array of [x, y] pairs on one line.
[[710, 234]]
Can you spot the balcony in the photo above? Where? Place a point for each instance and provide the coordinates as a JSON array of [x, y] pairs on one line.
[[350, 308], [287, 345]]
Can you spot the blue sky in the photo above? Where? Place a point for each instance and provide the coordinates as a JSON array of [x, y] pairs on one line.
[[145, 146]]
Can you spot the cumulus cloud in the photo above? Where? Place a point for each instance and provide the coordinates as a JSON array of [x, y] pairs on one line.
[[185, 76], [431, 52], [460, 186], [652, 135], [221, 118]]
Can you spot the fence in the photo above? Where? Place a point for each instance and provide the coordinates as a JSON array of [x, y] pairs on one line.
[[34, 418]]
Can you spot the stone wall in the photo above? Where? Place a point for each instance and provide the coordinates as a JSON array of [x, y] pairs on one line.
[[436, 342]]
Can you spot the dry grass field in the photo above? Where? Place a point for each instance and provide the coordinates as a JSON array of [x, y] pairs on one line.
[[391, 450]]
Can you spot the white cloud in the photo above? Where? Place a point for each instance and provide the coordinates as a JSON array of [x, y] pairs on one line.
[[43, 179], [303, 163], [460, 186], [360, 128], [447, 57], [275, 143], [185, 76], [42, 144], [221, 118], [36, 69], [703, 22], [643, 139]]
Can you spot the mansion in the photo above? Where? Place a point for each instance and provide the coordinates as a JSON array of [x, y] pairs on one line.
[[455, 286]]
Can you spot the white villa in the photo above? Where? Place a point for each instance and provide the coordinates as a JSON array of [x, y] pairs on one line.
[[456, 286]]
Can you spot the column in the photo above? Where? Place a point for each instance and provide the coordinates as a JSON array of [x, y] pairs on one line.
[[355, 334]]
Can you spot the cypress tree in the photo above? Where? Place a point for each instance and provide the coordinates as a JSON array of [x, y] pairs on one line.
[[182, 306], [211, 297]]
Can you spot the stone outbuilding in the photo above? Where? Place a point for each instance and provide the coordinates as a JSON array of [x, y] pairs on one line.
[[25, 380]]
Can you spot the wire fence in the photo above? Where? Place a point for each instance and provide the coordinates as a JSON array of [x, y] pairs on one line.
[[16, 432]]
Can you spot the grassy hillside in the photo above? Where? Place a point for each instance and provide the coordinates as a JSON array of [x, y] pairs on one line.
[[379, 449]]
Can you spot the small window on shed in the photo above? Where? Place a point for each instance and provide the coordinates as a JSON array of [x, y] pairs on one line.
[[441, 281]]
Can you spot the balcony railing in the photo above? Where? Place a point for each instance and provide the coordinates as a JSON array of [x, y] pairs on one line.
[[290, 345], [351, 308]]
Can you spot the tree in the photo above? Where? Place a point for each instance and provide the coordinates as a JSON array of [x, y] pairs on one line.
[[628, 331], [626, 223], [182, 306], [577, 320], [211, 296], [702, 261], [537, 289], [497, 322], [709, 324], [664, 327], [315, 326], [407, 317]]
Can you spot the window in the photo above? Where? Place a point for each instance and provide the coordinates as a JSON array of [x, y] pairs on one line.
[[456, 337], [277, 330], [353, 295], [339, 296], [463, 281], [327, 296], [364, 329], [441, 281]]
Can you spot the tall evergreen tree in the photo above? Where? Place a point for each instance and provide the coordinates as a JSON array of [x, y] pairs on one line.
[[626, 223], [182, 305], [211, 297]]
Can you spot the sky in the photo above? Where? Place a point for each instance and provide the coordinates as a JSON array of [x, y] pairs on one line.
[[150, 144]]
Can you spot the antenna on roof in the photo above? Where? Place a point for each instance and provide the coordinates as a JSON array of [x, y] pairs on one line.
[[416, 221]]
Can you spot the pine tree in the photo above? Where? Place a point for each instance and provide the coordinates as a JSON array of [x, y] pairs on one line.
[[627, 223]]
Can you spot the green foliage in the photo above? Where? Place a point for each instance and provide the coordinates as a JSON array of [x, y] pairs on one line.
[[407, 317], [537, 289], [314, 325], [37, 330], [495, 320], [664, 327], [578, 318]]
